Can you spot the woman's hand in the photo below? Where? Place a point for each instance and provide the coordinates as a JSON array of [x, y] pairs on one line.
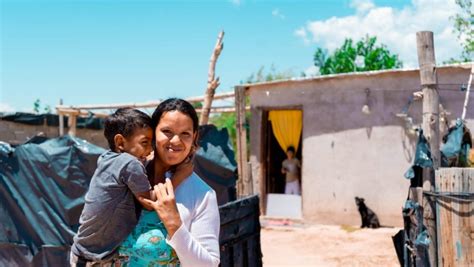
[[165, 206]]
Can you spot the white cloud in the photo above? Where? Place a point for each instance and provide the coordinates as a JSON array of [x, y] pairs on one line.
[[6, 108], [312, 71], [235, 2], [276, 13], [301, 32], [394, 27], [362, 6]]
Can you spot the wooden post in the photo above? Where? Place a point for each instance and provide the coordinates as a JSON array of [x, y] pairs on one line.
[[244, 184], [61, 119], [212, 82], [455, 216], [72, 121], [466, 99], [428, 78]]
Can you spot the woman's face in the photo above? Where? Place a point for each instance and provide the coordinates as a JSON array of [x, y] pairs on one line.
[[174, 136]]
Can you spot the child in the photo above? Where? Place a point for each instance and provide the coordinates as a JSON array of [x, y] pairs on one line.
[[291, 167], [109, 213]]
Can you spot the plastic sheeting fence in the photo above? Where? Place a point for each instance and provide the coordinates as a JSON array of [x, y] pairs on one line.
[[42, 188]]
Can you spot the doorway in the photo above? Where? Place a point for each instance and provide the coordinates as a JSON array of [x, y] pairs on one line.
[[274, 154], [275, 180]]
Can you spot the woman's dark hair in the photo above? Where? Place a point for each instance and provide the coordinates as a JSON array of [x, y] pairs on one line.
[[291, 148], [175, 104], [124, 121]]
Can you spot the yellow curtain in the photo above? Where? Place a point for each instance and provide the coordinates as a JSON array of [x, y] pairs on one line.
[[287, 126]]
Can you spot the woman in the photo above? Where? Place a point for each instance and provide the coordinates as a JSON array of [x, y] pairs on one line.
[[185, 221]]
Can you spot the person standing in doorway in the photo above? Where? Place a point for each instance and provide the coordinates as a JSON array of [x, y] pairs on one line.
[[291, 167]]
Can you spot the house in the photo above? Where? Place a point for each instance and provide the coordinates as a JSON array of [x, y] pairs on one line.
[[357, 138]]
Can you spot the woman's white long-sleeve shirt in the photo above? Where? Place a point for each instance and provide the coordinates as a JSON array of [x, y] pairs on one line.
[[196, 242]]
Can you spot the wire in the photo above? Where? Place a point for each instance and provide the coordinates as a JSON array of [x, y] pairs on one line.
[[418, 89], [452, 90], [461, 197]]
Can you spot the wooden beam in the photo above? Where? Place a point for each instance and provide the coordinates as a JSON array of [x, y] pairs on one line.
[[113, 106], [72, 121], [151, 104], [83, 113], [80, 113], [429, 80], [195, 99], [222, 109], [244, 183], [61, 120]]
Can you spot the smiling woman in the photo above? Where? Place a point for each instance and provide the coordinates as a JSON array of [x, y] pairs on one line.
[[183, 229], [174, 138]]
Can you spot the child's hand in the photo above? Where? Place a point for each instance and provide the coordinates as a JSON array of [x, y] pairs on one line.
[[147, 196], [150, 156]]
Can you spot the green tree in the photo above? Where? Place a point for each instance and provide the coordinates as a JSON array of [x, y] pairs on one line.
[[226, 120], [464, 29], [47, 109], [197, 105], [37, 106], [364, 55], [265, 76]]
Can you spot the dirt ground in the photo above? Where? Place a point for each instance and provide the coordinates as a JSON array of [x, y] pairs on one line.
[[327, 245]]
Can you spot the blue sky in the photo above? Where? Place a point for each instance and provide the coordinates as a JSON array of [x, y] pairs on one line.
[[96, 52]]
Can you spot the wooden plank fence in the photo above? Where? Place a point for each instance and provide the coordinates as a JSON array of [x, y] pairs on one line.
[[455, 216]]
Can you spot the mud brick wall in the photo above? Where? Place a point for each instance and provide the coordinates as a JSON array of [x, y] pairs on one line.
[[18, 133]]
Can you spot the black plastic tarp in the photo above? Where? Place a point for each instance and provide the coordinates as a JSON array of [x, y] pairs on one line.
[[42, 188], [456, 146], [215, 162], [52, 120]]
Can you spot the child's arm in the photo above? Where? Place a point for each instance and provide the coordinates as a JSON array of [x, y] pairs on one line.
[[134, 176], [150, 195], [183, 171]]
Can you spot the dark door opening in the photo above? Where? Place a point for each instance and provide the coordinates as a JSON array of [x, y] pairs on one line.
[[275, 180]]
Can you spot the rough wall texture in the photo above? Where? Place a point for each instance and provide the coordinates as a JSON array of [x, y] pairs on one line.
[[17, 133], [347, 153]]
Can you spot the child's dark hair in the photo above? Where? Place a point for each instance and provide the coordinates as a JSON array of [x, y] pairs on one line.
[[124, 121], [291, 149], [175, 104]]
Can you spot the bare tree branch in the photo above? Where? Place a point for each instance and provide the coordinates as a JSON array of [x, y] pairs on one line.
[[212, 82]]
